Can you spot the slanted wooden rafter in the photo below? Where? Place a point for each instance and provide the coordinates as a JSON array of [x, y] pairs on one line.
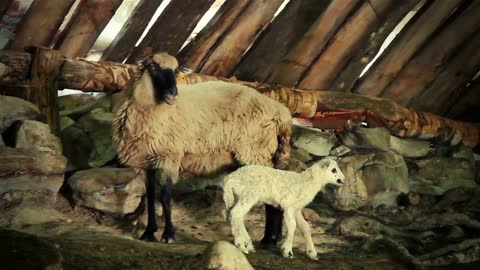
[[322, 106]]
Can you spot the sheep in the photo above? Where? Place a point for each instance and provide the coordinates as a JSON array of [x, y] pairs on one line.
[[291, 191], [207, 127]]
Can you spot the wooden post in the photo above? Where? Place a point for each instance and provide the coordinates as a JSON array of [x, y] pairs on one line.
[[194, 54], [307, 49], [401, 50], [123, 44], [92, 17], [235, 42], [282, 34], [171, 29], [329, 64], [45, 69], [40, 23], [423, 67]]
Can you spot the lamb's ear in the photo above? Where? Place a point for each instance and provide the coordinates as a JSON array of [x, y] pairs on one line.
[[326, 164]]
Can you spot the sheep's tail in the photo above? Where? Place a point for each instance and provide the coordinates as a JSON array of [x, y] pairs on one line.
[[282, 155], [228, 198]]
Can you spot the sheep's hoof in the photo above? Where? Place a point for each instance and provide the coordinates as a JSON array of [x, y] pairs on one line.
[[148, 237], [168, 235]]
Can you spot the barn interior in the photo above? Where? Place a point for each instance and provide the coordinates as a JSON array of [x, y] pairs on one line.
[[391, 89]]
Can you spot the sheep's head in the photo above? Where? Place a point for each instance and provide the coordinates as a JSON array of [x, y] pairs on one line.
[[330, 172], [161, 69]]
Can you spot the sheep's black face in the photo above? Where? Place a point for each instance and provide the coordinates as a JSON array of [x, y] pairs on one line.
[[163, 81]]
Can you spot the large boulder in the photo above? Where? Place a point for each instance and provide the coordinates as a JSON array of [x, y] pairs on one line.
[[113, 190], [13, 109], [225, 256], [375, 179], [37, 135], [437, 174], [409, 147], [313, 141], [70, 102], [77, 146], [98, 127]]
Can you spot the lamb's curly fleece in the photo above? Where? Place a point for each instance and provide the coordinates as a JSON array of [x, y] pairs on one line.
[[289, 190], [211, 126]]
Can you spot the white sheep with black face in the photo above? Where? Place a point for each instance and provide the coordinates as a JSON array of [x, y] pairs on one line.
[[197, 129], [289, 190]]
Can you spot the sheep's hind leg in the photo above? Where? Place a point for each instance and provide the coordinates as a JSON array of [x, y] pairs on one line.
[[290, 223], [241, 238], [148, 235], [273, 226], [165, 198], [307, 233]]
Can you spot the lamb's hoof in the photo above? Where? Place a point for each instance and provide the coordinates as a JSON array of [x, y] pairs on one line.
[[168, 235], [312, 255], [148, 237], [245, 247], [288, 255]]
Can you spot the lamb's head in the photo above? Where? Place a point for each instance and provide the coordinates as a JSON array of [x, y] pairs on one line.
[[161, 69], [329, 171]]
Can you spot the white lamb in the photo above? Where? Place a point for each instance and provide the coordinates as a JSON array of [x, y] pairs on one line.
[[289, 190]]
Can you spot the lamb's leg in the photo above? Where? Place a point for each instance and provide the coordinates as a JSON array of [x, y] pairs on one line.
[[307, 233], [290, 223], [241, 238], [169, 231], [273, 226], [148, 235]]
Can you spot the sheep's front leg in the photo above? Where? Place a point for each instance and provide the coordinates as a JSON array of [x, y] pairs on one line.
[[148, 235], [241, 238], [307, 233], [165, 198], [289, 215]]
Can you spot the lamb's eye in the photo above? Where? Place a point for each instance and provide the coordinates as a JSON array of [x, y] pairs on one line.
[[177, 71], [334, 170]]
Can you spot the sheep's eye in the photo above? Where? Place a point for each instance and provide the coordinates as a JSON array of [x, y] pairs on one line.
[[334, 170]]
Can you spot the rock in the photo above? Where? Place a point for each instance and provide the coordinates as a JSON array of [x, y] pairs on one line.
[[37, 135], [300, 154], [409, 147], [70, 102], [114, 190], [313, 141], [13, 109], [98, 127], [1, 141], [31, 213], [376, 178], [77, 146], [30, 182], [30, 161], [311, 215], [439, 174], [356, 136], [340, 151], [225, 256], [66, 122]]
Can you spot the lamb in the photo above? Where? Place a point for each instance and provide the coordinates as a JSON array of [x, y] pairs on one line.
[[205, 128], [290, 190]]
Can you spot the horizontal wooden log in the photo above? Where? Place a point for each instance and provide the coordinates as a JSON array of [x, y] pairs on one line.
[[107, 76]]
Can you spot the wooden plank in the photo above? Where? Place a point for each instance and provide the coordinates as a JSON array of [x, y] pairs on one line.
[[299, 58], [343, 46], [421, 70], [229, 50], [172, 28], [92, 17], [125, 41], [416, 34], [466, 107], [45, 68], [41, 23], [4, 5], [281, 35], [10, 21], [369, 48], [454, 75], [194, 54]]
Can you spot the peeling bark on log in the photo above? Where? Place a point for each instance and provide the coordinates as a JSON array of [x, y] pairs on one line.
[[421, 70], [195, 53], [172, 28], [387, 67], [41, 23], [125, 41], [298, 59], [243, 31], [345, 81], [92, 17], [283, 33], [454, 76], [402, 122]]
